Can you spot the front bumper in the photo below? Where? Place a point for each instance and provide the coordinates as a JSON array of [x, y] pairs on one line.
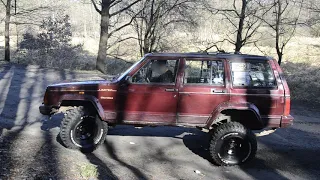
[[45, 110], [286, 121]]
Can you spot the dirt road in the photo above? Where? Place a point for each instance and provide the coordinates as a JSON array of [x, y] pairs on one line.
[[29, 147]]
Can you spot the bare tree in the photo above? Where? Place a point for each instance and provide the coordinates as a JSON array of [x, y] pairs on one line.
[[244, 17], [110, 9], [311, 16], [158, 18], [7, 30], [283, 22], [21, 16]]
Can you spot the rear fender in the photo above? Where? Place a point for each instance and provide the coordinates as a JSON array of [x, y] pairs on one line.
[[89, 98], [234, 106]]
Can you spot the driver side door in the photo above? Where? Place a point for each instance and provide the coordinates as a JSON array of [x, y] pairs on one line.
[[148, 102]]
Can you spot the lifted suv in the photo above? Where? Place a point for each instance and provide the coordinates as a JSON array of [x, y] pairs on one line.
[[227, 94]]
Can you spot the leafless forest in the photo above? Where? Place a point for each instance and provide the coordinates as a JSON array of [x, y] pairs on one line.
[[108, 35]]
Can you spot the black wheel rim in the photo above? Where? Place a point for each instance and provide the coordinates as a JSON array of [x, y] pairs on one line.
[[234, 150], [85, 132]]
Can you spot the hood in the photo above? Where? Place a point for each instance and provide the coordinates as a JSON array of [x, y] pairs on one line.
[[77, 83]]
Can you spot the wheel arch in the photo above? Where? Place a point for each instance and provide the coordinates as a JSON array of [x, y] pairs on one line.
[[82, 100], [235, 112]]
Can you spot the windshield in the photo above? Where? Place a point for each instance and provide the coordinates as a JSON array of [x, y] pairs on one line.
[[128, 70]]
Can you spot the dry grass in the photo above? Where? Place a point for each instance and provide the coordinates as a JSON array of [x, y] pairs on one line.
[[88, 171], [303, 80], [302, 69], [68, 58]]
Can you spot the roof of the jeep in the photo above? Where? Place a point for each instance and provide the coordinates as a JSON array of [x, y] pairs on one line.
[[215, 55]]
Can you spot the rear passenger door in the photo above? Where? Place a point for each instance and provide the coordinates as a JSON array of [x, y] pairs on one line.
[[202, 90], [254, 81]]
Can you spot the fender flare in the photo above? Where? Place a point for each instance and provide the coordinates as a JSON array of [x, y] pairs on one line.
[[89, 98], [233, 106]]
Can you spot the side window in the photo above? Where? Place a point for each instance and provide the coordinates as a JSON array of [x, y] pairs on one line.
[[156, 71], [252, 74], [204, 72]]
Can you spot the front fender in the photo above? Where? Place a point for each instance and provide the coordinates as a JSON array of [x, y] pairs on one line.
[[89, 98], [233, 106]]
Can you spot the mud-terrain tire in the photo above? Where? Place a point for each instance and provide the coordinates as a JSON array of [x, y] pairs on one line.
[[232, 144], [81, 131]]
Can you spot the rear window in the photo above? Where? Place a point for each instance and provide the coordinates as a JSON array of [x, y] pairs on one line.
[[252, 74]]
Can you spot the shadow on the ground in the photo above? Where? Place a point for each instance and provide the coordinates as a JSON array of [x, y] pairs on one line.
[[110, 149], [21, 93], [20, 85], [279, 152], [1, 52], [104, 171]]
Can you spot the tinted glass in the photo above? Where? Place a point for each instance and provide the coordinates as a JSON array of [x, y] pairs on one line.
[[157, 71], [252, 74], [204, 72]]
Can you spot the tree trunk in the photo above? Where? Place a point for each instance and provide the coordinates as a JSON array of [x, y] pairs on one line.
[[146, 46], [7, 32], [104, 36], [17, 34], [279, 51], [278, 21], [238, 43], [279, 58]]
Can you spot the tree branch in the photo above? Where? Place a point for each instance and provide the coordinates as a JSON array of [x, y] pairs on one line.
[[124, 9], [27, 11], [230, 21], [3, 3], [123, 26], [215, 45], [235, 8], [176, 21], [96, 7], [176, 4], [117, 57], [255, 44], [24, 23], [120, 40], [114, 2], [249, 34], [2, 19]]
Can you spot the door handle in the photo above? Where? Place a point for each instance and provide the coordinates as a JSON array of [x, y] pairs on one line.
[[218, 91], [171, 90]]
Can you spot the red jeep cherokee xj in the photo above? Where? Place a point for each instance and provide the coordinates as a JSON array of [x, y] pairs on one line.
[[227, 94]]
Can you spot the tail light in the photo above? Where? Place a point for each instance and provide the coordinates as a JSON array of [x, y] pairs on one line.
[[286, 89], [45, 98], [287, 106]]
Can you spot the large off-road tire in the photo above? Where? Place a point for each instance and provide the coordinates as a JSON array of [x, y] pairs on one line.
[[232, 144], [82, 130]]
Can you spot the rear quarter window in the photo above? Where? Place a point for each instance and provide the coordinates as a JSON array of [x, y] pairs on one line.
[[254, 74]]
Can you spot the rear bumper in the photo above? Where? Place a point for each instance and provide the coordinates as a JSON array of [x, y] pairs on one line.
[[286, 121], [45, 110]]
